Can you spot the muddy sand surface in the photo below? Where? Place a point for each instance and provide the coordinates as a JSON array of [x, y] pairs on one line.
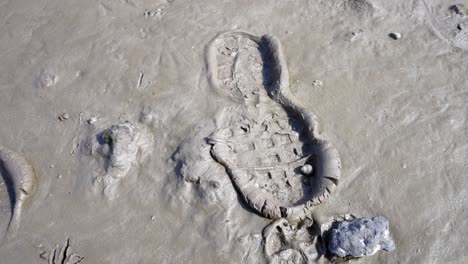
[[109, 112]]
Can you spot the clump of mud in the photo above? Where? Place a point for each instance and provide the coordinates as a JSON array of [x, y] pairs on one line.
[[118, 149], [19, 182], [62, 255], [287, 243]]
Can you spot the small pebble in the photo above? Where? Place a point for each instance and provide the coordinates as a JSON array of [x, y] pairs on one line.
[[395, 35], [59, 176], [317, 83], [306, 169], [52, 166], [152, 218]]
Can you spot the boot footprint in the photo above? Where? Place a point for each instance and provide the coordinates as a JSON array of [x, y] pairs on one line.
[[274, 156]]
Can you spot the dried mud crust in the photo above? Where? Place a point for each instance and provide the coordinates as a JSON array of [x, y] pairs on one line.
[[263, 153]]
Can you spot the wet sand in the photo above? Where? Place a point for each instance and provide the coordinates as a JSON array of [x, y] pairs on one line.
[[395, 110]]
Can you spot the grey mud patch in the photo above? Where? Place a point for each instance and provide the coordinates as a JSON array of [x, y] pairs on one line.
[[117, 149], [274, 137], [18, 183]]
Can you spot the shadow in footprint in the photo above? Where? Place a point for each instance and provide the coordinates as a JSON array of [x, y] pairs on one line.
[[9, 188]]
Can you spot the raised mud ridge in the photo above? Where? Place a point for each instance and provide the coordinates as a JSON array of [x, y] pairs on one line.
[[63, 255], [449, 21], [19, 180], [265, 153]]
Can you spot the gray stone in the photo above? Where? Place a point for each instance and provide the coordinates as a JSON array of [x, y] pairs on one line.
[[395, 35], [360, 237]]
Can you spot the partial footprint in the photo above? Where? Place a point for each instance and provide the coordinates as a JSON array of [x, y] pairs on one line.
[[285, 243], [274, 155], [18, 184], [449, 21]]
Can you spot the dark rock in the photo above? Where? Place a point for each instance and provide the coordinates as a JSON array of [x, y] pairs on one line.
[[395, 35]]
